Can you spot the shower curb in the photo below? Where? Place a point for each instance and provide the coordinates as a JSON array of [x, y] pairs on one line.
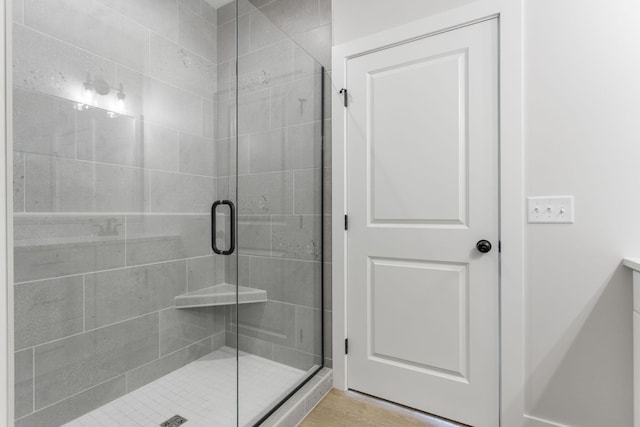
[[300, 404]]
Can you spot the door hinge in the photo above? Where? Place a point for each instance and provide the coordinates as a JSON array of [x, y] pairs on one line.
[[499, 246], [343, 92], [346, 346], [346, 222]]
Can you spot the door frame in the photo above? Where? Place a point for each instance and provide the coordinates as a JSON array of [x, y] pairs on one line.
[[511, 169]]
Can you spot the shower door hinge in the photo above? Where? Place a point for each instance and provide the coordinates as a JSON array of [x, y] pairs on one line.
[[343, 92], [499, 246], [346, 346], [346, 222]]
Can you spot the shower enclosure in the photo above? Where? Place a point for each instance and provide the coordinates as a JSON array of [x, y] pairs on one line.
[[167, 210]]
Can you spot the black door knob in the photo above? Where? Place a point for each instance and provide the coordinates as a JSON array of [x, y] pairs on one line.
[[483, 246]]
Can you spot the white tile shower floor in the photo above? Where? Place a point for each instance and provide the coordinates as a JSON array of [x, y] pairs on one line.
[[203, 392]]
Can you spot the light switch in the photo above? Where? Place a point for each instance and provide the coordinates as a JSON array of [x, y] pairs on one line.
[[555, 210]]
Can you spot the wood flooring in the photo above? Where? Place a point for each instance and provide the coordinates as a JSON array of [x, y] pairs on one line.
[[342, 409]]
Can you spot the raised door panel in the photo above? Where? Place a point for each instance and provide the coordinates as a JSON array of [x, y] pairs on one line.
[[427, 298], [417, 138]]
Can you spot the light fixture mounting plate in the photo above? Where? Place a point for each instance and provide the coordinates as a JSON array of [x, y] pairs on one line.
[[101, 87]]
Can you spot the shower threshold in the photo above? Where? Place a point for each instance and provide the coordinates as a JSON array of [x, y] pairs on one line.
[[203, 392]]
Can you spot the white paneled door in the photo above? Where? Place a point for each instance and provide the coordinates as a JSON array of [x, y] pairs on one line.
[[423, 283]]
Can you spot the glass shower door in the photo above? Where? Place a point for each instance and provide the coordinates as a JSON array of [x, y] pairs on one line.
[[279, 184]]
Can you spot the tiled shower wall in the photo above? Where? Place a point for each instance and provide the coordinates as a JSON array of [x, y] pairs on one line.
[[311, 29], [279, 159], [111, 214]]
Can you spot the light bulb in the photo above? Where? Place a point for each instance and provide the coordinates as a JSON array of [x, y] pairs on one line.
[[88, 93], [120, 96]]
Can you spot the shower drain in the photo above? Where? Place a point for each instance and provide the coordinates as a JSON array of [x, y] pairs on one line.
[[174, 421]]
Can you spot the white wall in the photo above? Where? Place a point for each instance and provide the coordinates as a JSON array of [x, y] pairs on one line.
[[582, 118], [353, 19], [582, 137]]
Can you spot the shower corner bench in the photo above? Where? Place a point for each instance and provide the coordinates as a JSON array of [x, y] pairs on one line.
[[222, 294]]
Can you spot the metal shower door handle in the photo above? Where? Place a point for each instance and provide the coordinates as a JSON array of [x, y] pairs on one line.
[[232, 209]]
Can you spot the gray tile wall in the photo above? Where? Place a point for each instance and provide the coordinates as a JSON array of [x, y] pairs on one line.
[[111, 213], [279, 199], [308, 23]]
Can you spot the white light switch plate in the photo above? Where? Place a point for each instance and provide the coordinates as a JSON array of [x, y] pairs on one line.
[[554, 210]]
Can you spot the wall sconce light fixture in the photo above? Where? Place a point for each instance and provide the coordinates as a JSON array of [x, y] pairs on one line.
[[91, 88]]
